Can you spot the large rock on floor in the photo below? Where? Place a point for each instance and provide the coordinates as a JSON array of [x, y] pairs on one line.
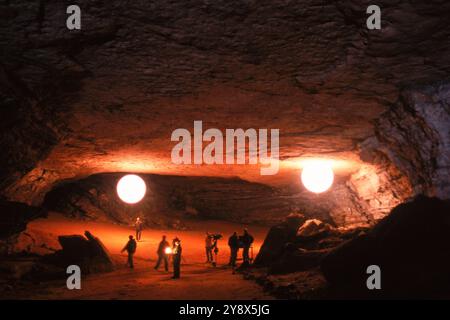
[[312, 228], [411, 246], [277, 238], [295, 260], [87, 252]]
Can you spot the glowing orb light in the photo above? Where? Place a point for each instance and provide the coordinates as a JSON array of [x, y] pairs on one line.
[[168, 250], [317, 176], [131, 188]]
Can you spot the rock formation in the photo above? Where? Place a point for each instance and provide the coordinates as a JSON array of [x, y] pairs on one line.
[[410, 246], [106, 98], [87, 252]]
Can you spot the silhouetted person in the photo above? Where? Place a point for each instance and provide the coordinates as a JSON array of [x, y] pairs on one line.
[[130, 247], [215, 249], [176, 254], [138, 225], [233, 243], [208, 247], [162, 255], [247, 240]]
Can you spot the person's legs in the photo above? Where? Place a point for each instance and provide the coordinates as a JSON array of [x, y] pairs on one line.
[[233, 257], [166, 263], [245, 255], [130, 260], [176, 268], [158, 262]]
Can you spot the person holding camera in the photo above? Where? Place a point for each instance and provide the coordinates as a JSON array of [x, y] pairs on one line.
[[215, 248], [209, 247]]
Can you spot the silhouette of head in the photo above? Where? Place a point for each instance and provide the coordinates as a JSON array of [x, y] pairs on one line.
[[164, 237], [130, 236]]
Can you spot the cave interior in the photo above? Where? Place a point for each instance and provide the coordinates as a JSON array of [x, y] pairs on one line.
[[82, 108]]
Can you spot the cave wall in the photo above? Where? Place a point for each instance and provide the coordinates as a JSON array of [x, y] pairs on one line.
[[308, 68], [415, 136], [172, 199]]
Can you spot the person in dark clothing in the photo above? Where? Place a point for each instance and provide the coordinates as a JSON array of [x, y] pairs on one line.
[[215, 249], [208, 248], [138, 226], [162, 254], [130, 247], [247, 240], [176, 252], [233, 243]]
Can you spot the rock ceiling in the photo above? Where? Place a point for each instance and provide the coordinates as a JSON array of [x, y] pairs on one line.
[[106, 98]]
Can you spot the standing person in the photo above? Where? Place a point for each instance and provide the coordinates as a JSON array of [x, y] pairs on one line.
[[138, 226], [247, 240], [233, 243], [208, 248], [176, 252], [130, 247], [162, 255], [215, 249]]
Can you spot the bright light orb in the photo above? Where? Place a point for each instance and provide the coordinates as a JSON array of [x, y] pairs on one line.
[[131, 188], [317, 176], [168, 250]]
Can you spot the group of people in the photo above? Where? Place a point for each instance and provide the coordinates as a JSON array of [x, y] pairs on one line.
[[235, 242], [165, 250]]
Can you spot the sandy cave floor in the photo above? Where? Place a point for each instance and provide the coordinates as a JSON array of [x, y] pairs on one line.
[[199, 280]]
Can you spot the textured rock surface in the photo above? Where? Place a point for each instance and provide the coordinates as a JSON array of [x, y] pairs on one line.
[[411, 246], [415, 135], [170, 198], [14, 217], [87, 252], [106, 98], [275, 242]]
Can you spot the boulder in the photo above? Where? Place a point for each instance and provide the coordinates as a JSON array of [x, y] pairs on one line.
[[277, 238], [297, 259], [411, 246], [313, 228], [87, 252]]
